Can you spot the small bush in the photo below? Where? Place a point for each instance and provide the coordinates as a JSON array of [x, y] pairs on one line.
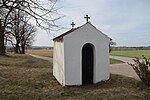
[[142, 69]]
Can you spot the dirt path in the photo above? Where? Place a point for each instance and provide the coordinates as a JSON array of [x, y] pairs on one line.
[[42, 57], [124, 59], [123, 69]]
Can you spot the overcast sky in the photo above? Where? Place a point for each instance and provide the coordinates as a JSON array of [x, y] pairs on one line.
[[127, 22]]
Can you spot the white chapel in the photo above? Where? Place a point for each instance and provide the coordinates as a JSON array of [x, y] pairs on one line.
[[81, 56]]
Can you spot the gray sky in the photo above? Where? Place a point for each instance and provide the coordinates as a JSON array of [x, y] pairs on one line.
[[127, 22]]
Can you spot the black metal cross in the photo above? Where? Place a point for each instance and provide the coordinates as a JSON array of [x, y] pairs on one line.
[[87, 18], [72, 24]]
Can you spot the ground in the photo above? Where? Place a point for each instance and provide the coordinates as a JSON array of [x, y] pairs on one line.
[[123, 69], [27, 78], [41, 52], [49, 53]]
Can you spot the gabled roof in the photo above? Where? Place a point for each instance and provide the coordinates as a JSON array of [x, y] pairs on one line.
[[68, 32], [72, 30]]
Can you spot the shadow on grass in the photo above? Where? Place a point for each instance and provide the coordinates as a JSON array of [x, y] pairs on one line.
[[117, 87], [28, 78]]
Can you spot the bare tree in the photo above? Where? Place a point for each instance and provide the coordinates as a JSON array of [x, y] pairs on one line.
[[42, 12], [27, 36], [22, 32], [2, 47], [112, 43]]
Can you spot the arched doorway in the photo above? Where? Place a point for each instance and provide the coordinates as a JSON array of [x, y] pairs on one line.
[[87, 63]]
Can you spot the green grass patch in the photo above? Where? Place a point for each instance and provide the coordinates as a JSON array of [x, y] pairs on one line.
[[114, 61], [131, 53], [23, 77]]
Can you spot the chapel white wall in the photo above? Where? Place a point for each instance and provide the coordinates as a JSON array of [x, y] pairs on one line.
[[58, 61], [73, 44]]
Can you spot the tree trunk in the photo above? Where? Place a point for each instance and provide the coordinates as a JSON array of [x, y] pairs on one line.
[[17, 48], [23, 42], [23, 49], [2, 46]]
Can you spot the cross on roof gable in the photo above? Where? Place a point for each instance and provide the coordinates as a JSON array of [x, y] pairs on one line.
[[70, 31], [72, 24], [87, 18]]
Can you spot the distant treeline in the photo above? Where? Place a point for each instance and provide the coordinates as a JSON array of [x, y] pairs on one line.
[[40, 47], [130, 48], [11, 49]]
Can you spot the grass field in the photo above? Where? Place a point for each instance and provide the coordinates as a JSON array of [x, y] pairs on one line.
[[131, 53], [26, 78], [114, 61], [43, 52]]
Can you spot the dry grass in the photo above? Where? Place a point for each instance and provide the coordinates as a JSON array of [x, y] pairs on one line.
[[46, 53], [26, 78]]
